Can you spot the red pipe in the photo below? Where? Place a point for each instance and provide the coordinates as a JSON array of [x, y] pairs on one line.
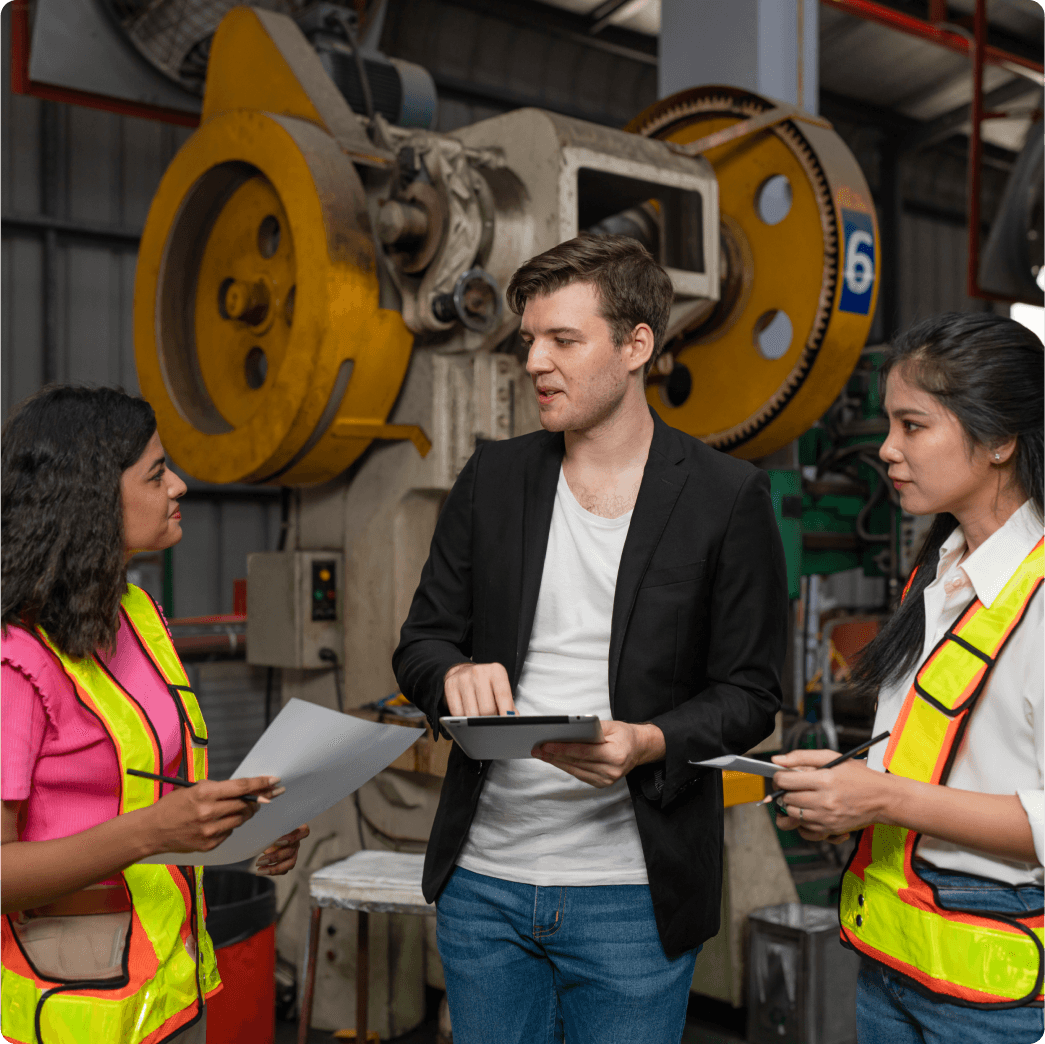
[[195, 621], [870, 11], [223, 636], [20, 47]]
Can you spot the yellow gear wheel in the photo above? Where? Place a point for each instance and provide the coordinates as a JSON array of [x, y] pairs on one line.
[[245, 294], [766, 363], [258, 334]]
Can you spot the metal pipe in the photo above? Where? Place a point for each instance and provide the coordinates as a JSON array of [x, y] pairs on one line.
[[937, 34], [308, 990], [827, 688], [362, 974], [49, 183]]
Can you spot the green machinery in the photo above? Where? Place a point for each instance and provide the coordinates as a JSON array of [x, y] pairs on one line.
[[837, 511]]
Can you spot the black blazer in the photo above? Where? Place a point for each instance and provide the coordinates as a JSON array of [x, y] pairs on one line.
[[698, 635]]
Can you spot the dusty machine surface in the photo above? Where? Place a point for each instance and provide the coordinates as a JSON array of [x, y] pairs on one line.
[[320, 305]]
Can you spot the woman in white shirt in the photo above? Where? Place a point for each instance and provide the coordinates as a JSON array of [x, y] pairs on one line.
[[943, 897]]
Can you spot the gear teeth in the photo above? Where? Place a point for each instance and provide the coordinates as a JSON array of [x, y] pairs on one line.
[[656, 123]]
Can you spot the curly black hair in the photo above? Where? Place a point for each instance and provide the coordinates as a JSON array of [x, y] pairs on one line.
[[63, 563]]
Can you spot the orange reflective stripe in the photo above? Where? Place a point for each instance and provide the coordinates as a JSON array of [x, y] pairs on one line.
[[907, 586]]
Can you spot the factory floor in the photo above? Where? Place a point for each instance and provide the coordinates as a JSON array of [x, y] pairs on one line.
[[707, 1022]]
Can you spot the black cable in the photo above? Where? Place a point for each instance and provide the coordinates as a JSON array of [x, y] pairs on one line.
[[270, 681], [359, 820], [281, 543], [328, 655], [284, 517], [393, 839], [344, 20]]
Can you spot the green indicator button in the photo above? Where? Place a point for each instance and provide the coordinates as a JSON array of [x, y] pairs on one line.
[[319, 596]]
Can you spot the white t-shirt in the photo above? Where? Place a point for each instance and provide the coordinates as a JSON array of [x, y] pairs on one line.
[[535, 823], [1002, 752]]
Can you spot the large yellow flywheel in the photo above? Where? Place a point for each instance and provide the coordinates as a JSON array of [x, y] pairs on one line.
[[800, 241], [258, 334]]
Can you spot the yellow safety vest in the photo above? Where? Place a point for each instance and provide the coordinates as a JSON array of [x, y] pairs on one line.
[[887, 911], [169, 967]]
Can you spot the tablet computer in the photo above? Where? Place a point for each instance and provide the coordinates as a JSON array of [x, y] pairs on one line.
[[500, 738]]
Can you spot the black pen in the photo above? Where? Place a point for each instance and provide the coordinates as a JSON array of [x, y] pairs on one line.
[[831, 764], [176, 782]]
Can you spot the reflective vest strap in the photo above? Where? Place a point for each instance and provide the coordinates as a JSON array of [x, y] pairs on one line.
[[952, 674], [924, 742], [950, 680], [152, 635], [989, 628], [136, 743]]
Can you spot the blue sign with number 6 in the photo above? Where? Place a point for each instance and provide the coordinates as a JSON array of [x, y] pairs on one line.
[[858, 271]]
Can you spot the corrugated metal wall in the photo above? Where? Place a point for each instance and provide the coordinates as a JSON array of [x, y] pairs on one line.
[[933, 246]]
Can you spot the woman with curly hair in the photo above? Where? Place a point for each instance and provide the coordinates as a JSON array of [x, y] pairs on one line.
[[96, 945], [943, 896]]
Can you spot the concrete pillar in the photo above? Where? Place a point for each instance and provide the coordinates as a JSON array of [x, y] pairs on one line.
[[766, 46]]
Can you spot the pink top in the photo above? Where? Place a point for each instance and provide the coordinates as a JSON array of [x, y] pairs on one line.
[[54, 754]]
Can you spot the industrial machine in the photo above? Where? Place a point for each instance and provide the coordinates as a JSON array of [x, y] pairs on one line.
[[297, 262], [320, 305]]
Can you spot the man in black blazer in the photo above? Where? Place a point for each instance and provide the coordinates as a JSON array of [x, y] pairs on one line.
[[606, 558]]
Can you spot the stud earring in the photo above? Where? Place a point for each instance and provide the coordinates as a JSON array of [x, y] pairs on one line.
[[997, 456]]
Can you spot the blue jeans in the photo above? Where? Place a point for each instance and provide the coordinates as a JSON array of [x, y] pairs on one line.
[[526, 963], [889, 1011]]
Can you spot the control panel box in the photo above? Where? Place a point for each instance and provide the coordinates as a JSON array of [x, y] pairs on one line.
[[294, 608]]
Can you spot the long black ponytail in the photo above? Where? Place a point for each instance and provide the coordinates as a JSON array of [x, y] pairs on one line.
[[988, 371]]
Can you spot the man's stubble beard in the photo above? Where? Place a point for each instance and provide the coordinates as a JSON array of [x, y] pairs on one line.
[[592, 415]]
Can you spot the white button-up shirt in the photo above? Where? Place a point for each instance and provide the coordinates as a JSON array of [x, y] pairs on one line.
[[1002, 751]]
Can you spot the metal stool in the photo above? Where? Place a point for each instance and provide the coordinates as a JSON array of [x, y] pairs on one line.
[[369, 882]]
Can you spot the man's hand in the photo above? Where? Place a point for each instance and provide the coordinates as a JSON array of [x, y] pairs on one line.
[[826, 804], [475, 689], [623, 746]]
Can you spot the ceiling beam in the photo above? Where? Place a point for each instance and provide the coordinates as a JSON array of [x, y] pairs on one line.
[[565, 24], [602, 15], [957, 120], [854, 110]]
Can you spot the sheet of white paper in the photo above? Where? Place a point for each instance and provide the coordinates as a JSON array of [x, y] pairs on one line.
[[321, 757], [737, 763]]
